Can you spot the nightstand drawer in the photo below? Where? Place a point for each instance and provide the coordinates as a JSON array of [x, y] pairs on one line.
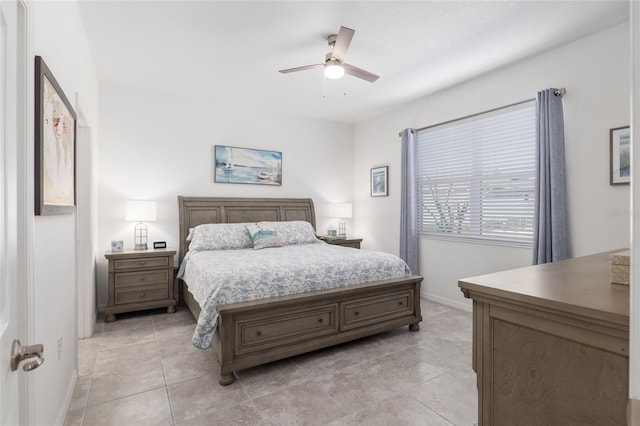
[[129, 279], [142, 294], [141, 262]]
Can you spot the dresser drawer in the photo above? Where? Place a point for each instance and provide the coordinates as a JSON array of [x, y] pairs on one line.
[[257, 335], [128, 279], [142, 294], [374, 309], [140, 262]]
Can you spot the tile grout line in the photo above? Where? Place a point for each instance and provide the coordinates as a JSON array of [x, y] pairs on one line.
[[164, 376]]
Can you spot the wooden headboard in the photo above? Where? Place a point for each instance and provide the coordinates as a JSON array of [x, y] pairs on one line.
[[194, 211]]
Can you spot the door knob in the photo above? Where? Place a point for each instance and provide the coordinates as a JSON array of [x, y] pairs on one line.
[[19, 353]]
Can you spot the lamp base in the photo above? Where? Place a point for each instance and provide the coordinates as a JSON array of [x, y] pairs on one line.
[[342, 228], [140, 236]]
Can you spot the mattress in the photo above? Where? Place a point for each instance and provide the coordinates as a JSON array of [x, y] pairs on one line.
[[219, 277]]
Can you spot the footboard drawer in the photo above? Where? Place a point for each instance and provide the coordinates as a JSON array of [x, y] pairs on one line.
[[369, 310], [286, 327]]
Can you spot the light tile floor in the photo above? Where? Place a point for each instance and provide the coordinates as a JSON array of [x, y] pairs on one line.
[[142, 369]]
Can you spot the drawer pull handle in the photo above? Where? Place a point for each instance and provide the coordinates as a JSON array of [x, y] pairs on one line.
[[142, 262], [320, 320], [400, 303], [258, 333], [356, 313], [142, 294], [144, 278]]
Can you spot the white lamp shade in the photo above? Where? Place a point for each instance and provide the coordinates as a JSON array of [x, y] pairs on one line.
[[342, 210], [141, 211]]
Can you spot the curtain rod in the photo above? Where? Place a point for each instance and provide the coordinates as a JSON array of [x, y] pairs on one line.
[[558, 92]]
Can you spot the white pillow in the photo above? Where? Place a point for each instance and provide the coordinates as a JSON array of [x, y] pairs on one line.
[[293, 232], [219, 236]]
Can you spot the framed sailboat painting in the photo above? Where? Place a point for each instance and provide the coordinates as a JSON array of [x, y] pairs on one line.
[[246, 165]]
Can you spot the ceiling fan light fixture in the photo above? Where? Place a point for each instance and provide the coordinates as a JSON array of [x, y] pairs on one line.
[[333, 69]]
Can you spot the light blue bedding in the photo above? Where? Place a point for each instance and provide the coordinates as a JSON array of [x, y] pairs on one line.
[[219, 277]]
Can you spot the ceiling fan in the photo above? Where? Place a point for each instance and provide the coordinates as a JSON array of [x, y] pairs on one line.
[[334, 65]]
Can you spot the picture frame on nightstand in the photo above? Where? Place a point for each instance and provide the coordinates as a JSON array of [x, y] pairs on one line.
[[117, 246]]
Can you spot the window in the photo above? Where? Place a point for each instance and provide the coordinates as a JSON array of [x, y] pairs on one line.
[[476, 177]]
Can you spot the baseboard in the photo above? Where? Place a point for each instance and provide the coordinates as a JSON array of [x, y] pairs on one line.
[[633, 412], [94, 321], [448, 302], [66, 403]]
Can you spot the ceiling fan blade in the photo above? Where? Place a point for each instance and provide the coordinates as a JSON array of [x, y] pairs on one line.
[[306, 67], [360, 73], [342, 43]]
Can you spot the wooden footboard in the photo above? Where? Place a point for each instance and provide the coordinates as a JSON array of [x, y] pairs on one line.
[[262, 331], [258, 332]]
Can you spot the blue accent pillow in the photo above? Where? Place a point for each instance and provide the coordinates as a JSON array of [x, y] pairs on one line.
[[263, 236], [293, 232]]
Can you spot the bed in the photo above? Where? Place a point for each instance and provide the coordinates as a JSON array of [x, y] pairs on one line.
[[256, 332]]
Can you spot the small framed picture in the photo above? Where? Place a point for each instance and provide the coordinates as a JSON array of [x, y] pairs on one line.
[[380, 181], [619, 156], [159, 244], [117, 246]]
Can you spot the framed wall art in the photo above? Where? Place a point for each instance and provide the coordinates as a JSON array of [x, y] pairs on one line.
[[245, 165], [55, 145], [619, 156], [380, 181]]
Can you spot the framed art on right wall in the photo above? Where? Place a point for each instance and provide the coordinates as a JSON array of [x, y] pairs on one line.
[[620, 156], [380, 181]]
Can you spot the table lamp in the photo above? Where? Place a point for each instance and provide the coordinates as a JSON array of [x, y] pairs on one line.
[[342, 211], [141, 211]]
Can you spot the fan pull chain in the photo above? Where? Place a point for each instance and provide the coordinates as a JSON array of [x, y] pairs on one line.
[[324, 86]]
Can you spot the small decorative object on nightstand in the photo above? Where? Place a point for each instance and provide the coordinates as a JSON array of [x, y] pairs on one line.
[[138, 280], [344, 242]]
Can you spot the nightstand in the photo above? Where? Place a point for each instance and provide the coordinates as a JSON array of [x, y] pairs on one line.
[[349, 242], [138, 280]]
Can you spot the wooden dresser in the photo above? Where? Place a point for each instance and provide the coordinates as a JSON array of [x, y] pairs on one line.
[[138, 280], [551, 344]]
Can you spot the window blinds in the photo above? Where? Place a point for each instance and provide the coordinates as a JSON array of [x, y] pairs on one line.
[[476, 177]]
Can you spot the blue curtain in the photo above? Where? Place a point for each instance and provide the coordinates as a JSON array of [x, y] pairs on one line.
[[408, 202], [551, 225]]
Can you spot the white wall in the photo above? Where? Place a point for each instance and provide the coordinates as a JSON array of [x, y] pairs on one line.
[[157, 146], [594, 71], [58, 36]]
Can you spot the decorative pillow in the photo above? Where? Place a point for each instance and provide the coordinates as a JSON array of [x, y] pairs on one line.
[[219, 236], [293, 232], [263, 236]]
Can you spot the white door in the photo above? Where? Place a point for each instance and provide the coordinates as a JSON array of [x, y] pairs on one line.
[[13, 407]]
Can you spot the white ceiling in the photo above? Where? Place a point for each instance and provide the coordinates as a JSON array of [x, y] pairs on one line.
[[231, 51]]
